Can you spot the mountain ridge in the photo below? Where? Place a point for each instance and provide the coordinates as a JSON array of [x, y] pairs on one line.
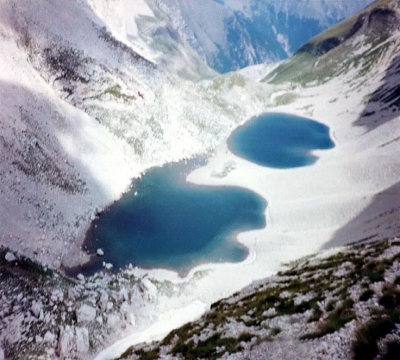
[[229, 35]]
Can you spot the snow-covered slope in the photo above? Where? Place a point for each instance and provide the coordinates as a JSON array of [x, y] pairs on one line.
[[232, 34], [82, 113], [148, 28]]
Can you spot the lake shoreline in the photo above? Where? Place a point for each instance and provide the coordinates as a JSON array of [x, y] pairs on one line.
[[307, 206], [147, 215]]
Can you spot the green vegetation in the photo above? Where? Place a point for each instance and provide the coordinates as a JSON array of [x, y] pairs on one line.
[[343, 314], [375, 271], [365, 346], [285, 99], [211, 348], [31, 270], [303, 289], [140, 354], [316, 315], [366, 295], [293, 70], [116, 91]]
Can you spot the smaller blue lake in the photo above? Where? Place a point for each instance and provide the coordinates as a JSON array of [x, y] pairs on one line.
[[280, 140], [166, 222]]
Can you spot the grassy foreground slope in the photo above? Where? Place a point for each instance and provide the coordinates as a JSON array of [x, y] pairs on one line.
[[345, 305]]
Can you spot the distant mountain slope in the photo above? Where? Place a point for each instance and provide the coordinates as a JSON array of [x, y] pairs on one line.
[[232, 34], [356, 43], [148, 28]]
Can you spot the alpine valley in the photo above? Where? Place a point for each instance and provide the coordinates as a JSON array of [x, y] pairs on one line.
[[94, 93]]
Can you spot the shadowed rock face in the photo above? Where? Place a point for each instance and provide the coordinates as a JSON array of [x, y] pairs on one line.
[[385, 99], [320, 48], [380, 220]]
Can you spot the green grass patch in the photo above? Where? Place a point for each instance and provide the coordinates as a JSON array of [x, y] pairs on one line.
[[208, 349], [365, 345], [343, 314], [116, 91], [285, 99], [375, 271]]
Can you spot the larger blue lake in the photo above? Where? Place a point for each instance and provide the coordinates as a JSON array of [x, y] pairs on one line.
[[280, 140], [165, 222]]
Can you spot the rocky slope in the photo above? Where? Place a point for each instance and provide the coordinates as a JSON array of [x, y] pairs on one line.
[[45, 315], [340, 306]]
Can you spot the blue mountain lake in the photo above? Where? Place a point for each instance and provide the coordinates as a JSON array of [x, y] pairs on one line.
[[166, 222], [280, 140]]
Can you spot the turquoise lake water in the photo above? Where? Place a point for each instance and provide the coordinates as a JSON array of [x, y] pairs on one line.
[[173, 224], [280, 140], [165, 222]]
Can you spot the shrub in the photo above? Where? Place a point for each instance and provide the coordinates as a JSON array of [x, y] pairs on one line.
[[387, 301], [365, 345], [335, 321], [330, 305], [375, 272], [275, 331], [206, 349], [148, 355], [392, 351], [366, 295], [316, 314], [245, 337]]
